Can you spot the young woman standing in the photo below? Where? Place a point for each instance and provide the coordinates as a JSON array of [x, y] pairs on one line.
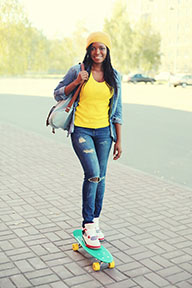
[[96, 123]]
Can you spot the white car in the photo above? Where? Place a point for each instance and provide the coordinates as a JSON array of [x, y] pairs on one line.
[[181, 80]]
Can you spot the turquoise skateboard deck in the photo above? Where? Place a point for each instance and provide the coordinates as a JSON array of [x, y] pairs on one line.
[[101, 254]]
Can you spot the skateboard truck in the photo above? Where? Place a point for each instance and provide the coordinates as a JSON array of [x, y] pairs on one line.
[[102, 255]]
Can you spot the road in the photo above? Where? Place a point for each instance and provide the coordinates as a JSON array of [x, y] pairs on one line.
[[157, 136]]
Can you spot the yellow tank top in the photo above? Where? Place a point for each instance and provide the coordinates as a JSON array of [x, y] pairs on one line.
[[93, 108]]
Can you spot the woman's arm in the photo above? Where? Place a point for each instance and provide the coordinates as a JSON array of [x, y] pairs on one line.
[[72, 79], [117, 146]]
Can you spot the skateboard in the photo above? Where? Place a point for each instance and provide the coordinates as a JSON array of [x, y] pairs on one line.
[[102, 255]]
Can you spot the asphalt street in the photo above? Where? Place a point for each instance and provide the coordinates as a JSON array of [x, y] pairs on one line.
[[156, 138]]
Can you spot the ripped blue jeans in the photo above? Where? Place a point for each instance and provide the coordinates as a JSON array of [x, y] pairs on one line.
[[92, 147]]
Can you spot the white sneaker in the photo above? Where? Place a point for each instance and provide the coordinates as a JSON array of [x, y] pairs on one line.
[[98, 231], [90, 237]]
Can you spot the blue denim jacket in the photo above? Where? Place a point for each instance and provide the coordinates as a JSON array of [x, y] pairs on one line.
[[115, 112]]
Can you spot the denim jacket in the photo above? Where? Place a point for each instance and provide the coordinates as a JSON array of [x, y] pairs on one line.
[[115, 111]]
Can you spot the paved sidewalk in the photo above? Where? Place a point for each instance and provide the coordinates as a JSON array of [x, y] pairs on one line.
[[147, 221]]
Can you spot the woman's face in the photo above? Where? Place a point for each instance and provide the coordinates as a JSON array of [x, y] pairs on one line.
[[98, 52]]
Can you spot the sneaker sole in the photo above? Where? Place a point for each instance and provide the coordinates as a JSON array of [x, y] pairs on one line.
[[101, 239], [92, 247]]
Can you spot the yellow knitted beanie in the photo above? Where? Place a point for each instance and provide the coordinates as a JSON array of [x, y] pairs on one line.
[[101, 37]]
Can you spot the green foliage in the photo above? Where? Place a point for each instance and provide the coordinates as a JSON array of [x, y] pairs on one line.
[[147, 47], [118, 27], [13, 49], [133, 47], [24, 49]]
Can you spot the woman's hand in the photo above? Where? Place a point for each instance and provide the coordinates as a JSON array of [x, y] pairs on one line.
[[82, 76], [117, 151]]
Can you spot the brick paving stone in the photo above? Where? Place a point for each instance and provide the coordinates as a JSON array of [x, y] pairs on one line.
[[62, 272], [188, 251], [167, 247], [152, 248], [38, 250], [182, 259], [50, 247], [137, 272], [77, 280], [129, 266], [182, 276], [17, 243], [149, 263], [92, 284], [183, 284], [44, 280], [6, 283], [3, 258], [18, 251], [159, 281], [22, 256], [144, 282], [143, 255], [39, 240], [37, 263], [44, 286], [155, 248], [6, 245], [38, 273], [173, 254], [174, 270], [120, 245], [161, 261], [75, 269], [24, 266], [115, 274], [123, 257], [60, 255], [59, 284], [187, 267], [77, 256], [125, 283], [20, 281], [6, 266], [103, 278], [9, 272], [59, 261]]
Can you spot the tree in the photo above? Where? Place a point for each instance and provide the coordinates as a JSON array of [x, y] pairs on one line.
[[38, 51], [134, 47], [13, 48], [118, 27], [146, 48]]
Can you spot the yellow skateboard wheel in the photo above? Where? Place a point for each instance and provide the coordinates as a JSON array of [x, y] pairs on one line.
[[75, 247], [96, 266], [112, 264]]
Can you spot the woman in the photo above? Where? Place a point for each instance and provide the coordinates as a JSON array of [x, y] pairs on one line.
[[95, 124]]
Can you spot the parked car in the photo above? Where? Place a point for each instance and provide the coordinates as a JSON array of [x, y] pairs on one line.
[[183, 80], [163, 76], [137, 78]]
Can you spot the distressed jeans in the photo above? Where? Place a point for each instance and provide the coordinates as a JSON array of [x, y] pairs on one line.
[[92, 147]]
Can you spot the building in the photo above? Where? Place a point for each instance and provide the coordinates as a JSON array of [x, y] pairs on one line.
[[172, 18]]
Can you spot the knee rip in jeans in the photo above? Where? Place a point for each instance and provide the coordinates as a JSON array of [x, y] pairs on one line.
[[88, 151], [95, 179]]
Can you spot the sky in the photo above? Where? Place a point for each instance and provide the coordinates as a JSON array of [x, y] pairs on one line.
[[60, 18]]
